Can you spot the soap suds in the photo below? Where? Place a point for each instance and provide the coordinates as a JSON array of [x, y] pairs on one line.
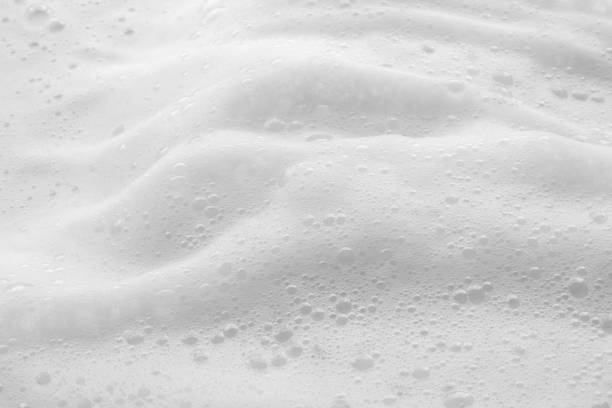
[[306, 203]]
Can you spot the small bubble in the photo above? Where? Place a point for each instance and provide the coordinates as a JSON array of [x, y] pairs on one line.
[[606, 324], [578, 288], [559, 92], [43, 378], [451, 200], [37, 14], [346, 256], [274, 125], [469, 252], [318, 315], [231, 330], [55, 26], [503, 78], [283, 335], [305, 309], [211, 211], [199, 203], [456, 87], [476, 294], [599, 218], [199, 357], [84, 403], [278, 360], [344, 306], [458, 400], [535, 272], [118, 130], [363, 363], [258, 362], [513, 301], [189, 340], [420, 373], [428, 49], [134, 339], [460, 296], [295, 351]]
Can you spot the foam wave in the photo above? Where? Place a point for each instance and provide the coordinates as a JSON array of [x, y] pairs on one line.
[[306, 203]]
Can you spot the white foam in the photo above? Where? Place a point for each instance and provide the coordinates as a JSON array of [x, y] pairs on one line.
[[306, 204]]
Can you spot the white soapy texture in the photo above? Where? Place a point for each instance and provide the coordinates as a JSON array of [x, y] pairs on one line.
[[306, 203]]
